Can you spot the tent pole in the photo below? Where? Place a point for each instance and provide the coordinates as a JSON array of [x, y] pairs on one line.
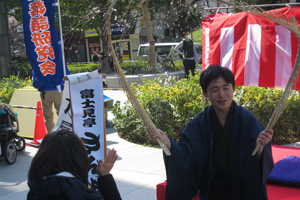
[[61, 38], [261, 5], [205, 9]]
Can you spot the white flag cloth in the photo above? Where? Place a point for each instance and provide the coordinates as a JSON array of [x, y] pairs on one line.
[[85, 102]]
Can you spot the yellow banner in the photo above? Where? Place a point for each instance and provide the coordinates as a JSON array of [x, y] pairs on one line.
[[91, 33], [125, 57]]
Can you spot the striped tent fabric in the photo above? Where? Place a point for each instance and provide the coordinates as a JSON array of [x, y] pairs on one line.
[[257, 50]]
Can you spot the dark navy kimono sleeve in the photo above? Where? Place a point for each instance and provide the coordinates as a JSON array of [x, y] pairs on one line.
[[250, 182], [189, 159]]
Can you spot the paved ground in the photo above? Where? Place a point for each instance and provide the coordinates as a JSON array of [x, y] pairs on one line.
[[137, 171]]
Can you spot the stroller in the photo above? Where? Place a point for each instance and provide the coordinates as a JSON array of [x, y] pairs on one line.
[[10, 142]]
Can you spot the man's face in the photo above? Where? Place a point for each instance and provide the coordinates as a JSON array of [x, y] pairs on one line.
[[220, 94], [186, 35]]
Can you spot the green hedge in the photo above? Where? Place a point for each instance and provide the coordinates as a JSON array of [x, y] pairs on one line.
[[23, 69], [142, 67], [129, 68], [172, 106], [8, 86], [262, 102], [82, 67]]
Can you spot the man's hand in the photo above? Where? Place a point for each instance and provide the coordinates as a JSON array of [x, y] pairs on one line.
[[154, 137], [104, 168], [264, 138]]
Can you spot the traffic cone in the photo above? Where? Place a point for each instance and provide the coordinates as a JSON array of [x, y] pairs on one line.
[[40, 128]]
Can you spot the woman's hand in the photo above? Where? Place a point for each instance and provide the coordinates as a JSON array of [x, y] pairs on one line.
[[103, 168]]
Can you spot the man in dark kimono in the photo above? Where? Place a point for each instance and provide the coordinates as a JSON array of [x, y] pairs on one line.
[[214, 154]]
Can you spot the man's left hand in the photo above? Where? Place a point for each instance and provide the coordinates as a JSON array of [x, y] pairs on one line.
[[265, 137]]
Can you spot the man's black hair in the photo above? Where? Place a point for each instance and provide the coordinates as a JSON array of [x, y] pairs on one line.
[[214, 72], [184, 33]]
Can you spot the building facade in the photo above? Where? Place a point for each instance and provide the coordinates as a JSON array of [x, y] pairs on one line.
[[5, 55]]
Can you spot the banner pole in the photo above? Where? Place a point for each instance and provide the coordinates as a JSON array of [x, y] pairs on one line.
[[61, 38]]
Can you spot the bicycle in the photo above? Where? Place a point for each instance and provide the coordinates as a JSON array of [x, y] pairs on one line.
[[16, 69], [164, 63]]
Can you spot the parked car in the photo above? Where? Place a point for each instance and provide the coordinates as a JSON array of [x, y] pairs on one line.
[[162, 49], [165, 50]]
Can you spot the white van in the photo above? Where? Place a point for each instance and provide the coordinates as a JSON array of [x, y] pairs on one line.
[[160, 49], [165, 49]]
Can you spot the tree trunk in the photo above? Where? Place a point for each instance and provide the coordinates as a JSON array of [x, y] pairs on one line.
[[151, 41], [103, 39]]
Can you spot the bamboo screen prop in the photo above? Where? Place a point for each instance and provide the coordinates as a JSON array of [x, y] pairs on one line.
[[132, 98], [290, 23]]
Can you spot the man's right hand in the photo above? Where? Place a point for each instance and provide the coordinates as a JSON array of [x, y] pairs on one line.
[[154, 137]]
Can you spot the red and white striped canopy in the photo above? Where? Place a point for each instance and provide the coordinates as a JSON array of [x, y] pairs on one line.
[[257, 50]]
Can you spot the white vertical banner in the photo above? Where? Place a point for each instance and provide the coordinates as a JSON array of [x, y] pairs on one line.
[[64, 120], [207, 47], [283, 64], [227, 45], [88, 117], [252, 59]]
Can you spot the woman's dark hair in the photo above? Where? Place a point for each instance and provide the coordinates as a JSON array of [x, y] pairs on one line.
[[213, 72], [60, 151], [102, 53]]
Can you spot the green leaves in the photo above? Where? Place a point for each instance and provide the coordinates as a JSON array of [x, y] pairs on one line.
[[77, 68], [262, 102], [8, 86], [171, 104]]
